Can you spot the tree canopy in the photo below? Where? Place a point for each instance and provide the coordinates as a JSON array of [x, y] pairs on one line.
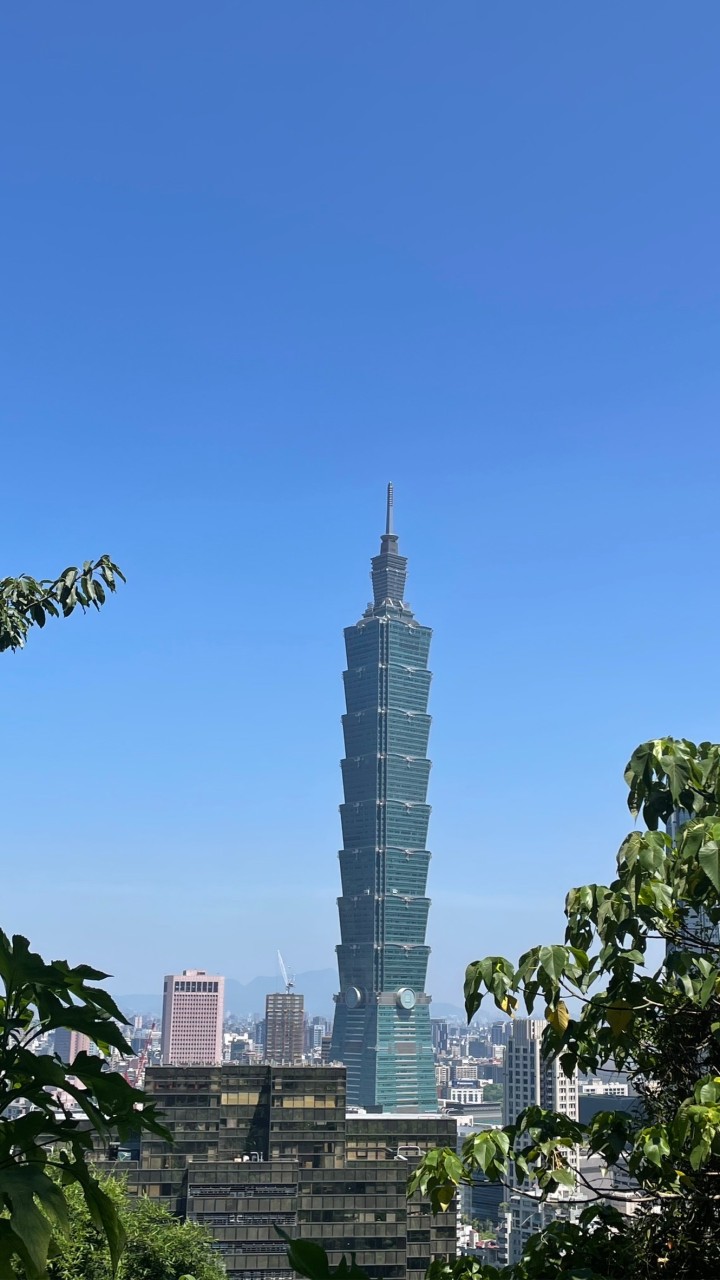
[[158, 1246]]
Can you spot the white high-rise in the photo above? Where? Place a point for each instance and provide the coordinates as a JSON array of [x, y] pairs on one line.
[[532, 1081], [529, 1080]]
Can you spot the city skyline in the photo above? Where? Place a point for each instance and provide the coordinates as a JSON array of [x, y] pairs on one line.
[[259, 263]]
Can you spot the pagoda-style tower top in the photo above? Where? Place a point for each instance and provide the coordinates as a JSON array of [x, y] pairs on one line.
[[389, 569]]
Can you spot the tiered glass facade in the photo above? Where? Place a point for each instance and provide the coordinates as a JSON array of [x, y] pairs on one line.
[[382, 1019]]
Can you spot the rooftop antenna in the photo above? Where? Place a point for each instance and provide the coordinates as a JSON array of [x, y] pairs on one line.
[[289, 982], [389, 523]]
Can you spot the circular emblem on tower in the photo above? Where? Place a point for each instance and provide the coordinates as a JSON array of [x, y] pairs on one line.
[[406, 998], [353, 997]]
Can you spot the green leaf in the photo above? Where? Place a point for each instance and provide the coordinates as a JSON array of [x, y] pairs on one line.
[[553, 960], [306, 1257], [101, 1208], [678, 773], [707, 1091], [28, 1223], [654, 1145], [442, 1197], [709, 859]]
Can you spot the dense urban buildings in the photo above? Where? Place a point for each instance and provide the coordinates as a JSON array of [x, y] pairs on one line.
[[255, 1146], [382, 1019], [192, 1019], [284, 1027], [532, 1080]]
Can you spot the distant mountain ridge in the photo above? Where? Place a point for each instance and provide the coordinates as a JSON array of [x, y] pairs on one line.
[[317, 986]]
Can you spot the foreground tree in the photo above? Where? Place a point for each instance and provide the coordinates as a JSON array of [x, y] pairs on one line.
[[158, 1246], [613, 997], [42, 1145], [634, 985]]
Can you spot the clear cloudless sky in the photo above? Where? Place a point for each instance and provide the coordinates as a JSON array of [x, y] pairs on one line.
[[259, 258]]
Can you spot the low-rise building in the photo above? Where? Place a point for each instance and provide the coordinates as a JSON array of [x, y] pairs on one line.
[[466, 1095]]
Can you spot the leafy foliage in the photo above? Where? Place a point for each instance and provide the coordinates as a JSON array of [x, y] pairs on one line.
[[590, 1249], [42, 1150], [607, 1002], [158, 1246], [27, 602], [310, 1259], [42, 1145]]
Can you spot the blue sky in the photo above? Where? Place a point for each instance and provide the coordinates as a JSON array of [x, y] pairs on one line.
[[258, 260]]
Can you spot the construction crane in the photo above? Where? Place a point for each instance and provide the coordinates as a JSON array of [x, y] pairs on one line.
[[142, 1060], [139, 1071], [289, 982]]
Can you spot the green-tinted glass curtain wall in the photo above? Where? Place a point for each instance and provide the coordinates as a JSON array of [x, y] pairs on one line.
[[382, 1019]]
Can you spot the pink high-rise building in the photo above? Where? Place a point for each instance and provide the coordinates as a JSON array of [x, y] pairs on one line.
[[192, 1021], [68, 1044]]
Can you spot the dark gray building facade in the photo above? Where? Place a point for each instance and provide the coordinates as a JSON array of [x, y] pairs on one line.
[[255, 1146]]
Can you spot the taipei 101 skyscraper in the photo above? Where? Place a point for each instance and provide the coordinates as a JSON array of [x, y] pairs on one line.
[[382, 1017]]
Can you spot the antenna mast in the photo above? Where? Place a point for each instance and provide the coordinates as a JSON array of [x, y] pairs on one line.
[[389, 522]]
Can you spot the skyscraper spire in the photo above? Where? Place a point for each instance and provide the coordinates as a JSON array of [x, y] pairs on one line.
[[389, 568]]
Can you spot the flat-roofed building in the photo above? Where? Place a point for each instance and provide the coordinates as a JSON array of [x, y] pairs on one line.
[[284, 1028], [255, 1146], [192, 1020]]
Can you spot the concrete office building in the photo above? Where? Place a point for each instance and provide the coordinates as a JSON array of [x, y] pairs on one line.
[[192, 1019], [284, 1027], [255, 1146], [382, 1019]]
